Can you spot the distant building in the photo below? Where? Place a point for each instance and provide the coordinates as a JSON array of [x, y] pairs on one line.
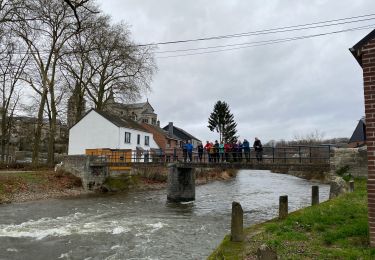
[[139, 112], [98, 129], [22, 138], [163, 138], [182, 134], [358, 137]]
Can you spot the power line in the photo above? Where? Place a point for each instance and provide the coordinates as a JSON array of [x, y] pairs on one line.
[[264, 31], [305, 28], [266, 42]]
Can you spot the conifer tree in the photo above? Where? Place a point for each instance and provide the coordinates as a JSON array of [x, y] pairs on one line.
[[222, 121]]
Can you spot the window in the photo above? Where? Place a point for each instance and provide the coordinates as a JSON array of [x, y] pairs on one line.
[[154, 121], [145, 120], [127, 137], [147, 140], [138, 139]]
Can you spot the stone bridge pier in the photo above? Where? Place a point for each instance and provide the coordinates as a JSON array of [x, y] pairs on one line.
[[181, 183]]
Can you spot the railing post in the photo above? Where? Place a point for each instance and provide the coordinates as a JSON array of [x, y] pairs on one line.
[[310, 153], [299, 154], [273, 154], [283, 206], [285, 155], [315, 195]]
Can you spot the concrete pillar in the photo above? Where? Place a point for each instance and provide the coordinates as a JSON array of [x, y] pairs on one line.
[[283, 206], [237, 223], [315, 195], [351, 186], [181, 183]]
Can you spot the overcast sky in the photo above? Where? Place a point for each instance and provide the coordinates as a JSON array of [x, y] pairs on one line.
[[274, 91]]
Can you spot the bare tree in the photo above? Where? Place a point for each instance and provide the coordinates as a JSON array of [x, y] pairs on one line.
[[45, 37], [12, 65], [108, 65], [119, 68], [313, 138], [75, 5]]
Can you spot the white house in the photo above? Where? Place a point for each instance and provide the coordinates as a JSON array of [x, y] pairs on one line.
[[103, 130]]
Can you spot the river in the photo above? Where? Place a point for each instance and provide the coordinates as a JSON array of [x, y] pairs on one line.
[[142, 225]]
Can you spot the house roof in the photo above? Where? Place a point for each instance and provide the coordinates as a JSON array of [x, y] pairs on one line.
[[183, 132], [162, 131], [359, 134], [121, 121], [134, 105], [116, 120], [356, 49]]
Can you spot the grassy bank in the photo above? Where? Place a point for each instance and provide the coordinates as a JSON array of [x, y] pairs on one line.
[[17, 186], [336, 229]]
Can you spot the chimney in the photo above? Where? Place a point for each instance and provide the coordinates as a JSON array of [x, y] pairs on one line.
[[170, 128]]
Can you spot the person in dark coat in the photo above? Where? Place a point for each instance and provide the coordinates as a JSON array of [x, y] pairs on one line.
[[217, 156], [258, 149], [200, 151], [184, 151]]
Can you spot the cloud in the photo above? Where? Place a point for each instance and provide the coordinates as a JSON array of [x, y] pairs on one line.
[[274, 91]]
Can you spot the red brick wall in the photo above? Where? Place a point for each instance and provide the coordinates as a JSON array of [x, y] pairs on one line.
[[368, 65]]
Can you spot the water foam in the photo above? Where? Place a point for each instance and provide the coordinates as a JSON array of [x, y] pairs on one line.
[[77, 223]]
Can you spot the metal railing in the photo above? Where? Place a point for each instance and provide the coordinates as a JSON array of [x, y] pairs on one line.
[[269, 155]]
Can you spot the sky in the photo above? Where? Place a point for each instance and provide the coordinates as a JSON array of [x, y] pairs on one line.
[[276, 91]]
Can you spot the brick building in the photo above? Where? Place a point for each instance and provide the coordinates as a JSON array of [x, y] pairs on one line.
[[364, 52]]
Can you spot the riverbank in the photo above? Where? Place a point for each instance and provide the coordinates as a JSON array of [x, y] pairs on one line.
[[335, 229], [21, 186]]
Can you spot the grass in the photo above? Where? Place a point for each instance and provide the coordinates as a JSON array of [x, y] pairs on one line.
[[336, 229], [38, 181]]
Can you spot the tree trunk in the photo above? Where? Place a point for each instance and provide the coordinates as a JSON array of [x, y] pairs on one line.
[[38, 130], [3, 134]]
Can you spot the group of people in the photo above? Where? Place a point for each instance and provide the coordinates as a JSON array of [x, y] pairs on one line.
[[234, 151]]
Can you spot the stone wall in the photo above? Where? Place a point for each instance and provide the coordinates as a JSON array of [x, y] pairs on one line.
[[350, 160], [92, 177]]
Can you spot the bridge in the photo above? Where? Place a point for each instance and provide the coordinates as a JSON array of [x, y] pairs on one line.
[[100, 163]]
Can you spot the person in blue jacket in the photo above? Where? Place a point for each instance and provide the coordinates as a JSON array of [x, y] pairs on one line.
[[189, 148], [246, 149]]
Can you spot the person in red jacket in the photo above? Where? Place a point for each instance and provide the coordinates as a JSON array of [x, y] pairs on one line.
[[207, 147], [227, 150]]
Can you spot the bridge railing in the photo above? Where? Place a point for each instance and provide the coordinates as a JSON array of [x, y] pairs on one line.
[[269, 155]]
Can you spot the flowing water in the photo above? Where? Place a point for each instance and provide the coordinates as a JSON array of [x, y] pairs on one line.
[[142, 225]]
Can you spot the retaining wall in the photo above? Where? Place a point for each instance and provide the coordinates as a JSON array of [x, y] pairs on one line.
[[92, 176], [350, 160]]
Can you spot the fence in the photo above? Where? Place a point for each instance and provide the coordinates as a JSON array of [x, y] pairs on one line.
[[269, 155]]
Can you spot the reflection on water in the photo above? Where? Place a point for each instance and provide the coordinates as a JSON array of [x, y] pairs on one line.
[[142, 225]]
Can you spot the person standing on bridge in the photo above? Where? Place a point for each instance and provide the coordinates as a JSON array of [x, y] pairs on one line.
[[189, 149], [184, 151], [227, 150], [216, 151], [258, 149], [207, 147], [221, 151], [200, 151], [246, 149]]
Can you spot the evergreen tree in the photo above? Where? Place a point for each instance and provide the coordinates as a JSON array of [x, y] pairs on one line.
[[222, 121]]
